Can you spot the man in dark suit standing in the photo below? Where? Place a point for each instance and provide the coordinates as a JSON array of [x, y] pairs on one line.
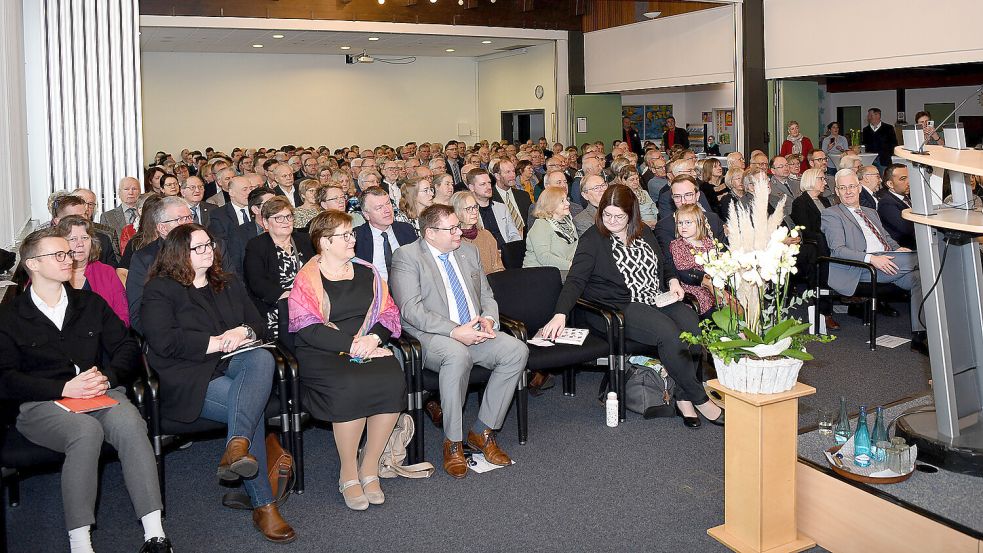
[[630, 137], [879, 138], [674, 135], [381, 235], [454, 163], [892, 201]]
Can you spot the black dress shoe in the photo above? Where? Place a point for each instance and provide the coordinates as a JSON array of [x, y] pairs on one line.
[[887, 310], [156, 545], [719, 421], [689, 422], [919, 342]]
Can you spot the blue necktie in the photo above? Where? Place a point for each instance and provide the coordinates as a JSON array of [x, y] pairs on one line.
[[457, 289]]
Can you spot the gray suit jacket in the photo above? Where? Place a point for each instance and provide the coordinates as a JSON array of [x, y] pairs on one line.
[[419, 290], [114, 218], [846, 239], [779, 190]]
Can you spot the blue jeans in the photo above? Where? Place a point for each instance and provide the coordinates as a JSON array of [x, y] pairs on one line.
[[239, 399]]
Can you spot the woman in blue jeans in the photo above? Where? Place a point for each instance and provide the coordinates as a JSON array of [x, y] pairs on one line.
[[193, 314]]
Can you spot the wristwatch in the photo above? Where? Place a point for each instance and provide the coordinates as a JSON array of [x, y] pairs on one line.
[[250, 333]]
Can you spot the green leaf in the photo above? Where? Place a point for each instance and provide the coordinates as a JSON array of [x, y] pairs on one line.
[[751, 336], [776, 332], [797, 354], [722, 318], [794, 330], [730, 344]]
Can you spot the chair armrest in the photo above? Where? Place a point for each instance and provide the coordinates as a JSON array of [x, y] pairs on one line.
[[851, 263], [515, 328], [152, 393], [614, 319]]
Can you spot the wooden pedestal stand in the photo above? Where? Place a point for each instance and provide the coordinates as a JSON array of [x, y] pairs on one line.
[[759, 471]]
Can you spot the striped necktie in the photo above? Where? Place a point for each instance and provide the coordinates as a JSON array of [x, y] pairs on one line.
[[463, 313], [509, 198], [873, 229]]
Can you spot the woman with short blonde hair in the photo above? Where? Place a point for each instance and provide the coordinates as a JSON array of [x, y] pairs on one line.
[[552, 239]]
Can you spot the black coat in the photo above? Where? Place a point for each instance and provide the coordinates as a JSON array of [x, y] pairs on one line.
[[681, 137], [365, 247], [881, 142], [296, 193], [594, 275], [234, 255], [631, 137], [807, 215], [37, 359], [889, 208], [178, 327], [223, 220], [260, 271]]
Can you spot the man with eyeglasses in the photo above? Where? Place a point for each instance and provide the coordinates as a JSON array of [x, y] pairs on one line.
[[65, 204], [167, 215], [653, 172], [592, 187], [285, 179], [378, 239], [224, 220], [454, 162], [446, 303], [223, 174], [782, 186], [855, 232], [57, 342], [665, 203], [682, 191], [193, 190], [593, 164]]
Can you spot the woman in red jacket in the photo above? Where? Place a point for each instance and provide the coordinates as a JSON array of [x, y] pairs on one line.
[[797, 143]]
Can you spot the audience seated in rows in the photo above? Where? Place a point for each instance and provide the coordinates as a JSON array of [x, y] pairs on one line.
[[553, 238], [472, 232]]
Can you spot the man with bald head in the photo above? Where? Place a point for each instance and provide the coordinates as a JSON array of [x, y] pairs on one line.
[[558, 179], [284, 178], [126, 212], [108, 233], [236, 212]]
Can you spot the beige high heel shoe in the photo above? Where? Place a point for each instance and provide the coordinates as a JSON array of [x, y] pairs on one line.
[[375, 498], [357, 503]]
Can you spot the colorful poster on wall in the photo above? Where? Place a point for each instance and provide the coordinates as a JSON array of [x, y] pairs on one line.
[[729, 118], [707, 117], [655, 121], [635, 114]]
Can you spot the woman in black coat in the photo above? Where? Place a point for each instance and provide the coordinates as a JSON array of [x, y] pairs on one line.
[[273, 259], [194, 314], [807, 213], [619, 262]]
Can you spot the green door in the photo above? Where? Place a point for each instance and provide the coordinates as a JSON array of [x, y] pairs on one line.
[[798, 101], [595, 117]]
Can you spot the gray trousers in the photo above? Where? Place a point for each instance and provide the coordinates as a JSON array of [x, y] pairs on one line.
[[79, 436], [907, 278], [504, 356]]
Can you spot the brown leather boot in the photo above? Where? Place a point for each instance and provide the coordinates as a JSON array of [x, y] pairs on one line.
[[454, 462], [435, 412], [489, 447], [237, 462], [268, 521]]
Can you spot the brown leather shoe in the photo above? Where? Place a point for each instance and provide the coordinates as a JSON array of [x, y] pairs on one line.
[[540, 382], [831, 323], [489, 447], [436, 414], [454, 462], [237, 462], [268, 521]]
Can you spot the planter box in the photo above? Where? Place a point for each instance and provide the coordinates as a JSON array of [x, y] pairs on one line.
[[758, 376]]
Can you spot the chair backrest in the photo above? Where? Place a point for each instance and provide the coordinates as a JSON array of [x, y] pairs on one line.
[[528, 295], [513, 253]]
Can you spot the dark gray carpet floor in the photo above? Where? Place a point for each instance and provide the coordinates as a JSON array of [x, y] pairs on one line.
[[576, 486]]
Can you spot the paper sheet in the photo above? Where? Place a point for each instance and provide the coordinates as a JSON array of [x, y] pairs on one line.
[[477, 463], [888, 341]]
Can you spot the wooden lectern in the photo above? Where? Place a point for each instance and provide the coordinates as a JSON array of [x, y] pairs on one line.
[[952, 281], [760, 455]]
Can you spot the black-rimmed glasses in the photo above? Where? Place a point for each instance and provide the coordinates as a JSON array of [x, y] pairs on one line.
[[454, 229], [282, 218], [347, 236], [180, 220], [200, 249], [59, 256]]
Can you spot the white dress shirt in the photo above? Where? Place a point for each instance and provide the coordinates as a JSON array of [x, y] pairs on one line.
[[56, 314], [238, 210], [379, 252], [873, 243], [451, 300]]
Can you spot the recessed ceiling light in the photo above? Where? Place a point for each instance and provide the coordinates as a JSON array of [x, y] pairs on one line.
[[346, 47], [449, 50], [277, 36], [257, 45], [486, 42], [373, 38], [381, 2], [652, 15], [433, 1]]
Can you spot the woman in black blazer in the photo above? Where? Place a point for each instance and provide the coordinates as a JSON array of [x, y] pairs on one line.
[[193, 314], [273, 259], [619, 262], [807, 213]]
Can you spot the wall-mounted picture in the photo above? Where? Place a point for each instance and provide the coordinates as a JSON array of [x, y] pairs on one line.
[[655, 121], [635, 114], [707, 117]]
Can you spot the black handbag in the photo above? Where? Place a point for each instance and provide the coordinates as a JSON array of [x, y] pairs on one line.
[[649, 391]]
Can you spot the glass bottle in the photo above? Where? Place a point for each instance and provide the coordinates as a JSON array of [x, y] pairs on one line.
[[842, 430], [861, 440], [879, 434]]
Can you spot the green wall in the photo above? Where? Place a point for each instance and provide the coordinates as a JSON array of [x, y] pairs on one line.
[[603, 113], [799, 101]]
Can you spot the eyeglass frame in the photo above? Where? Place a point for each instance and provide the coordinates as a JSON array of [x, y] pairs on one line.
[[203, 247], [186, 218], [64, 254]]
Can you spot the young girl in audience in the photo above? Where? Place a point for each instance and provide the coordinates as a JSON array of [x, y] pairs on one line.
[[693, 237]]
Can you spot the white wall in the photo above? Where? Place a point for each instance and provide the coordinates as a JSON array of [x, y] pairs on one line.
[[270, 100], [688, 49], [508, 82], [688, 104], [818, 38], [915, 100], [15, 209]]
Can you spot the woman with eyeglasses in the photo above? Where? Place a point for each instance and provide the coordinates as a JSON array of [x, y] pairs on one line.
[[169, 185], [309, 209], [466, 208], [193, 314], [552, 239], [629, 177], [342, 314], [619, 263], [416, 194], [332, 196], [272, 260], [88, 273]]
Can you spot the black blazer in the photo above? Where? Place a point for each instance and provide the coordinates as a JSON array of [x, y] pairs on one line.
[[234, 256], [179, 325], [881, 142], [521, 199], [889, 208], [867, 199], [260, 271], [594, 275], [297, 199], [806, 214], [37, 359], [631, 137], [223, 220], [364, 247], [460, 163], [681, 137], [137, 277]]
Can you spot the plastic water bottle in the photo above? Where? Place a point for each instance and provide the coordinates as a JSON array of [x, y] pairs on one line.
[[611, 409], [861, 441]]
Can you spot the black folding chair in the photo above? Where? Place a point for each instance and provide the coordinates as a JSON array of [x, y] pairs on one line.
[[871, 291]]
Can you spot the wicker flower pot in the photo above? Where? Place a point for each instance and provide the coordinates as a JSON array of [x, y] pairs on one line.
[[758, 376]]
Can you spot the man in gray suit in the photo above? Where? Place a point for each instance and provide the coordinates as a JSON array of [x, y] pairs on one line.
[[855, 232], [126, 212], [782, 185], [446, 303]]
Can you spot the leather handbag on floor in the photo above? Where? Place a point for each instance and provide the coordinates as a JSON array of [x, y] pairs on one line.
[[392, 459], [280, 468], [649, 390]]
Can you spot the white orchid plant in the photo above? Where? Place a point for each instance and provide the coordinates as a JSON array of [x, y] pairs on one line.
[[755, 271]]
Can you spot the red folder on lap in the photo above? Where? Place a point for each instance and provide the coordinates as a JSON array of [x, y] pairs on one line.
[[74, 405]]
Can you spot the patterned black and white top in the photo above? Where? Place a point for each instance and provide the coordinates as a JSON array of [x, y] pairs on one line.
[[288, 264], [639, 266]]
